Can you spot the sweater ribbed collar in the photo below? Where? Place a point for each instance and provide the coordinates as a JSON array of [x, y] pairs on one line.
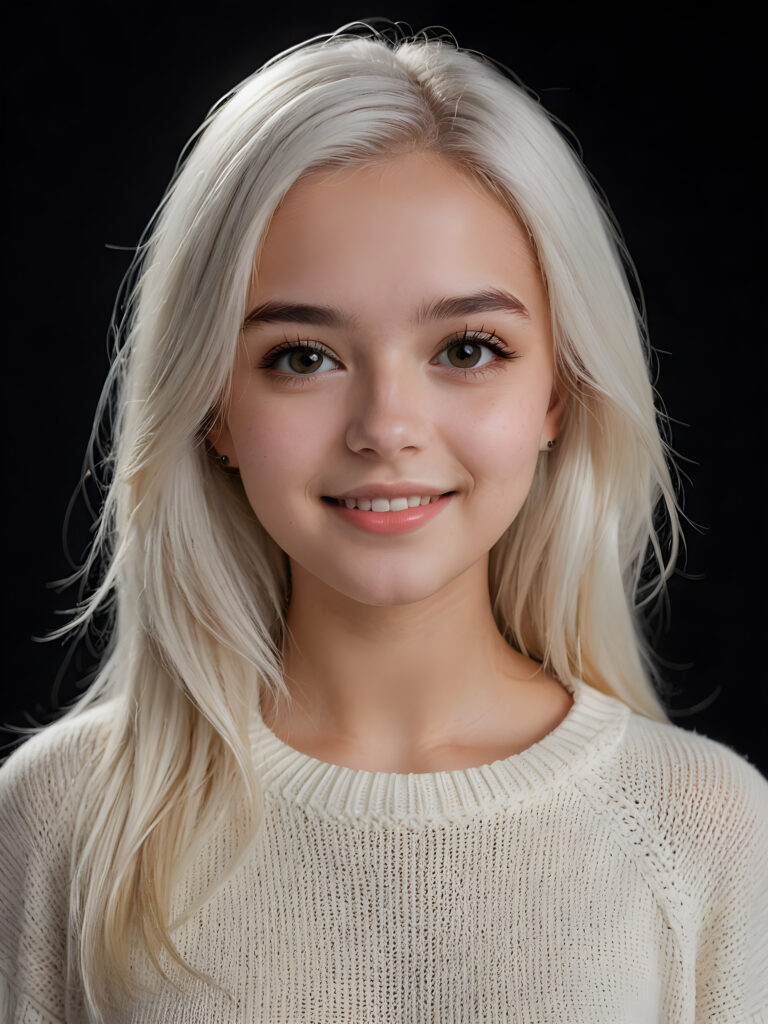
[[592, 727]]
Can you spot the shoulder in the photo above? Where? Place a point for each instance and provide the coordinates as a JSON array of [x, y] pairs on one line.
[[695, 774], [64, 744], [687, 807], [41, 776], [695, 819], [41, 790]]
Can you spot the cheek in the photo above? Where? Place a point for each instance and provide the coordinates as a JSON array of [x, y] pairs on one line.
[[277, 446], [503, 445]]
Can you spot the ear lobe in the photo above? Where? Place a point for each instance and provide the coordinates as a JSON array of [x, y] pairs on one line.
[[219, 442], [552, 421]]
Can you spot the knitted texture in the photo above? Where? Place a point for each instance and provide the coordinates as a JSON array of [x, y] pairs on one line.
[[615, 871]]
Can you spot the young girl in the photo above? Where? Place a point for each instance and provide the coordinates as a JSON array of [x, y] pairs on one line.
[[376, 738]]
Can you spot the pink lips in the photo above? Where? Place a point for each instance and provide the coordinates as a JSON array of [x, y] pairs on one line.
[[391, 522]]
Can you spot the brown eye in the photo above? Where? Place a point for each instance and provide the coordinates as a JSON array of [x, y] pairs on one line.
[[297, 359], [304, 360], [465, 354]]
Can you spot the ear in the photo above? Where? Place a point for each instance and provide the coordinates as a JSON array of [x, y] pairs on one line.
[[220, 441], [551, 429]]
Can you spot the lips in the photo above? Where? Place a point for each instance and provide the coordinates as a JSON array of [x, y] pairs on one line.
[[381, 503], [385, 520], [398, 489]]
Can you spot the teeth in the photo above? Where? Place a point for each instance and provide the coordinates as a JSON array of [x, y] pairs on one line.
[[387, 504]]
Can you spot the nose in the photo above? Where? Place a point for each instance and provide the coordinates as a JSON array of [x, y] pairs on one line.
[[388, 412]]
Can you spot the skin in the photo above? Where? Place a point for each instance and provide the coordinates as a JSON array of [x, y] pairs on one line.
[[395, 662]]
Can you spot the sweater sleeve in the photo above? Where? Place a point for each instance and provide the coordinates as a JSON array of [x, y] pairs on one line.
[[38, 797], [732, 946]]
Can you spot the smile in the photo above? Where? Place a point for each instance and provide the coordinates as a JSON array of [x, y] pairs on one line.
[[386, 504], [385, 515]]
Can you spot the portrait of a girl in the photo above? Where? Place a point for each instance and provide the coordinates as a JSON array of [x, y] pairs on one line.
[[376, 736]]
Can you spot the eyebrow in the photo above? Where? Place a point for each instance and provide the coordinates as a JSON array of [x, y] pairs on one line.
[[490, 300]]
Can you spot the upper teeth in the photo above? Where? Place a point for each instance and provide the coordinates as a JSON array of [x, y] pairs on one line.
[[389, 504]]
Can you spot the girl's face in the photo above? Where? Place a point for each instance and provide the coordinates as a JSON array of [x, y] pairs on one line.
[[407, 343]]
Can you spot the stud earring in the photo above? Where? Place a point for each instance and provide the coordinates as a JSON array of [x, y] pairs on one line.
[[223, 462], [551, 444]]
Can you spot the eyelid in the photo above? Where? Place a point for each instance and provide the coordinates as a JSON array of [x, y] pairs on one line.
[[485, 338], [286, 346]]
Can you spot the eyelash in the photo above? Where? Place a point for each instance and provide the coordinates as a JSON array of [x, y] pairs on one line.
[[488, 340]]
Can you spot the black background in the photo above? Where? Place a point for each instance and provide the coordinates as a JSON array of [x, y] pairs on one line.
[[668, 110]]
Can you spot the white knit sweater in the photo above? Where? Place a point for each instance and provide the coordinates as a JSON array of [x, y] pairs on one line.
[[615, 871]]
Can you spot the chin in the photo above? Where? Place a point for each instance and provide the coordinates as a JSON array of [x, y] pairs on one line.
[[412, 592], [381, 592]]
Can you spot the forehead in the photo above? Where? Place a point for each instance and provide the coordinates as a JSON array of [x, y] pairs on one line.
[[390, 231], [404, 174]]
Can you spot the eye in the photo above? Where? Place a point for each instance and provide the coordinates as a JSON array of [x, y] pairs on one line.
[[471, 354], [297, 358], [467, 353]]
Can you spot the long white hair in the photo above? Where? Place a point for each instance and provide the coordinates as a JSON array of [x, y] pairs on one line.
[[199, 589]]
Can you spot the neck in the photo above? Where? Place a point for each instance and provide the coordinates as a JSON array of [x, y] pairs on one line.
[[399, 682]]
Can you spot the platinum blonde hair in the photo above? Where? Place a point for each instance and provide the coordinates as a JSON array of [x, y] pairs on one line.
[[199, 589]]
